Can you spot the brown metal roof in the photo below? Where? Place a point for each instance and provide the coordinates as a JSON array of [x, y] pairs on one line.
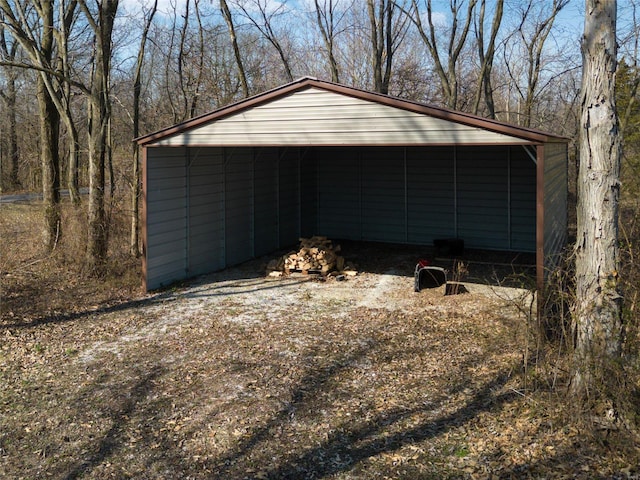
[[533, 135]]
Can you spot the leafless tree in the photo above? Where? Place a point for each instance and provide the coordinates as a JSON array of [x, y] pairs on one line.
[[9, 50], [536, 20], [387, 29], [456, 41], [486, 57], [32, 25], [137, 90], [228, 18], [598, 319], [101, 21], [263, 17], [326, 12], [630, 46], [67, 12]]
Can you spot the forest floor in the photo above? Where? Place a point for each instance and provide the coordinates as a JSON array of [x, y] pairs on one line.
[[239, 376]]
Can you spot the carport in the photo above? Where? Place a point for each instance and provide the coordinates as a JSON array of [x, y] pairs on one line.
[[318, 158]]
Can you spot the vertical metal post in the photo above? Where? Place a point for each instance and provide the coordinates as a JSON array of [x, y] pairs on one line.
[[540, 233]]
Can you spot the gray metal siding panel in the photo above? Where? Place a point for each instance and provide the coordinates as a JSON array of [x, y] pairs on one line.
[[238, 205], [339, 210], [166, 216], [483, 197], [555, 202], [430, 194], [308, 193], [523, 201], [383, 194], [265, 181], [289, 197], [206, 213], [318, 117]]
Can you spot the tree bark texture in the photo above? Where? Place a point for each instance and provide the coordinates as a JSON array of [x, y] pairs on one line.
[[228, 18], [49, 132], [134, 239], [14, 150], [598, 321], [50, 164], [326, 24], [99, 114]]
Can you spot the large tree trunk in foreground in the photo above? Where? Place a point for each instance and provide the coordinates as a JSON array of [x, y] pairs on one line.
[[598, 320]]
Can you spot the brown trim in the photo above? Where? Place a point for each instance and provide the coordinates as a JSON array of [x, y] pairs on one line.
[[540, 225], [143, 219], [305, 83], [343, 145]]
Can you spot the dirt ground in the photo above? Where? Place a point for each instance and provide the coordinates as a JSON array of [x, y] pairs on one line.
[[238, 376]]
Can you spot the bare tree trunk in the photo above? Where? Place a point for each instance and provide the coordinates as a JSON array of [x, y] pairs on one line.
[[226, 13], [385, 35], [376, 25], [456, 41], [49, 131], [598, 321], [325, 17], [99, 114], [196, 94], [10, 100], [66, 16], [484, 87], [266, 28], [134, 239], [534, 44], [9, 52]]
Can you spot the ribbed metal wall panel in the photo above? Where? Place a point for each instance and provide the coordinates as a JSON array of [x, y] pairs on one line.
[[430, 194], [319, 117], [289, 200], [206, 210], [265, 181], [308, 192], [522, 200], [339, 207], [238, 205], [482, 197], [383, 194], [166, 222], [555, 202]]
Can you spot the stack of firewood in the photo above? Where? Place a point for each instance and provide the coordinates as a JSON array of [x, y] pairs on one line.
[[315, 255]]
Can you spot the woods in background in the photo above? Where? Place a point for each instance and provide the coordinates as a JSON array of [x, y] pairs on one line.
[[79, 80]]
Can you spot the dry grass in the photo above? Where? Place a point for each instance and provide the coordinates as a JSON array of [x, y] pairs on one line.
[[237, 376]]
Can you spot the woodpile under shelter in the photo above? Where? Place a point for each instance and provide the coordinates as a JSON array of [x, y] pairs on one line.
[[318, 158]]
